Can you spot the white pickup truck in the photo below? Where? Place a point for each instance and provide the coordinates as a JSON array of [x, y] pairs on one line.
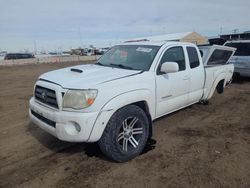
[[116, 100]]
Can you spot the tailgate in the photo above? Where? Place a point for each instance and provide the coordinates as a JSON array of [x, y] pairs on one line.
[[216, 55]]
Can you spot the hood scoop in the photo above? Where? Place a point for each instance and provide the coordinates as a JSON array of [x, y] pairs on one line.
[[76, 70]]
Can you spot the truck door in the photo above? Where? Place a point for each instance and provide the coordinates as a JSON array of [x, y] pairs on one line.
[[172, 88], [197, 75]]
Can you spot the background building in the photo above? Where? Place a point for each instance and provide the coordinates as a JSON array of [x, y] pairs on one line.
[[192, 37], [221, 39]]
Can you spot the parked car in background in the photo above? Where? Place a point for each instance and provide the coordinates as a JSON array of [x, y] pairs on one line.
[[83, 51], [3, 53], [103, 50], [241, 58], [10, 56]]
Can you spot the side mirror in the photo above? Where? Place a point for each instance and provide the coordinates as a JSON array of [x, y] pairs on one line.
[[169, 67]]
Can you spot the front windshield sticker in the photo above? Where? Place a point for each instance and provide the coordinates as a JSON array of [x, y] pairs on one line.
[[141, 49]]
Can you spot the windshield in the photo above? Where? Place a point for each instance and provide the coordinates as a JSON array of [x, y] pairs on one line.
[[134, 57]]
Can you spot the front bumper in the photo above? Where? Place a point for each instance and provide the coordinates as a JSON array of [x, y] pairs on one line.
[[67, 126]]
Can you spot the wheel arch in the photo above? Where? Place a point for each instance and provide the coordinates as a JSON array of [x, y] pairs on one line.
[[219, 84], [141, 98], [144, 106]]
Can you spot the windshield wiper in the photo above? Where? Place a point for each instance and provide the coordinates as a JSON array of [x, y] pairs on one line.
[[121, 66], [98, 63]]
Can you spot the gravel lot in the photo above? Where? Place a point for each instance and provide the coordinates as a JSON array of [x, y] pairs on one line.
[[199, 146]]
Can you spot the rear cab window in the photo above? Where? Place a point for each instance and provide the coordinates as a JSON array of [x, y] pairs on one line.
[[193, 57]]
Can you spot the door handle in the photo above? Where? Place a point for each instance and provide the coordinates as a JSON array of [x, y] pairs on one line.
[[186, 78]]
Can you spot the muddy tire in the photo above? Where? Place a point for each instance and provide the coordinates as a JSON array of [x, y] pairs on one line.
[[204, 102], [126, 134]]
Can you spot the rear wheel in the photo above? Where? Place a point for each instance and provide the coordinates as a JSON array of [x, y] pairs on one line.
[[220, 87], [126, 134], [204, 102]]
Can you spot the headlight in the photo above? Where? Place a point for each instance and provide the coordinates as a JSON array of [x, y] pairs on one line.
[[79, 99]]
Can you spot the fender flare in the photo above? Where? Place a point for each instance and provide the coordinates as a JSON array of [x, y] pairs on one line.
[[215, 83], [116, 103]]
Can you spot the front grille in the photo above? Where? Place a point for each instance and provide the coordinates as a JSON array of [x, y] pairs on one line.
[[46, 96], [43, 119]]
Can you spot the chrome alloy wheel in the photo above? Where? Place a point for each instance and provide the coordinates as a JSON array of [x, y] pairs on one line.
[[130, 133]]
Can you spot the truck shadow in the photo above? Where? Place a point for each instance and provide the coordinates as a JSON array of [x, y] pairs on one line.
[[43, 137], [58, 146]]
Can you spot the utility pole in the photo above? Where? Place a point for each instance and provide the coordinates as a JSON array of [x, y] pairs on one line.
[[235, 31], [35, 50], [80, 36], [220, 30]]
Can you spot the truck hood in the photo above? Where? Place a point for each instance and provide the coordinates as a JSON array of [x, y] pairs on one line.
[[86, 76]]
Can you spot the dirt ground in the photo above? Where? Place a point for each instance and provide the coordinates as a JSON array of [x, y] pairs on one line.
[[200, 146]]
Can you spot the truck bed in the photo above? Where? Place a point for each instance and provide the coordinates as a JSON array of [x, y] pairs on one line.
[[215, 59], [214, 73]]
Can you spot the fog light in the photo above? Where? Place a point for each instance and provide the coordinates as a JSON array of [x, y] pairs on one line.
[[72, 128], [77, 126]]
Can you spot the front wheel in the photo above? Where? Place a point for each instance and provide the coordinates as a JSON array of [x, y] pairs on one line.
[[126, 134]]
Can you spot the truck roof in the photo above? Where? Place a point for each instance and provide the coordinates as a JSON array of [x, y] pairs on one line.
[[155, 43]]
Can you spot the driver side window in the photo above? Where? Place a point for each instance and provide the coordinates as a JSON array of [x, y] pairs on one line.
[[174, 54]]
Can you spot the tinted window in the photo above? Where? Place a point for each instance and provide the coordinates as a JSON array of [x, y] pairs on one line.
[[193, 57], [7, 56], [10, 56], [174, 54], [24, 56], [219, 57], [18, 56], [27, 56], [243, 49]]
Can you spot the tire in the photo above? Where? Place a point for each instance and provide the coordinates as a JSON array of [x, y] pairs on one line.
[[220, 87], [205, 102], [126, 134]]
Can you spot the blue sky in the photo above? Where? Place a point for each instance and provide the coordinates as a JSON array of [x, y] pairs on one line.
[[53, 24]]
